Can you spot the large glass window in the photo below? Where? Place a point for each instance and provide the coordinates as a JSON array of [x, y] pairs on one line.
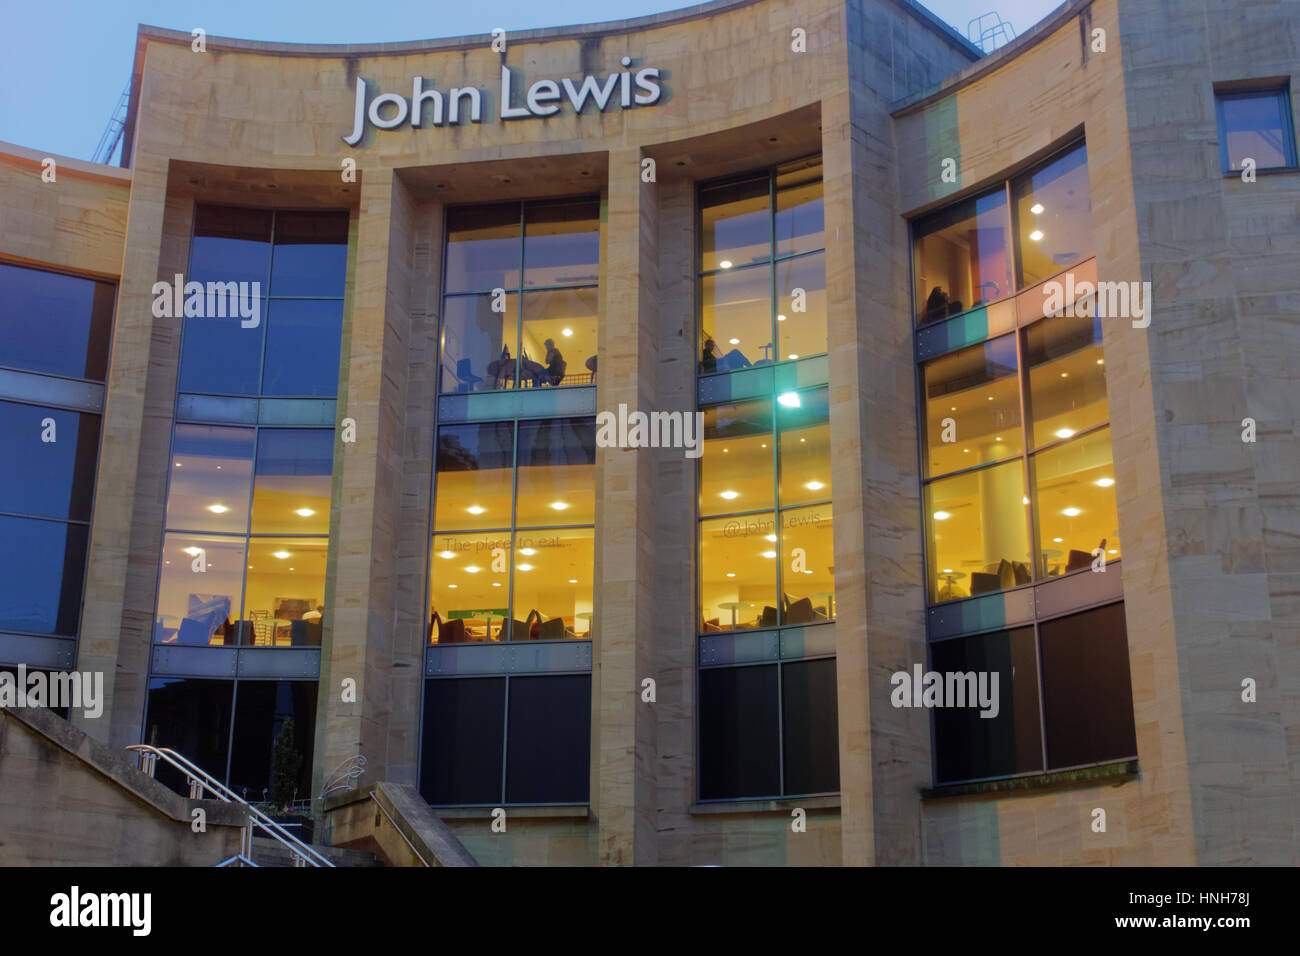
[[762, 270], [512, 556], [295, 265], [520, 295], [1052, 207], [760, 567], [1256, 125], [229, 580], [55, 324]]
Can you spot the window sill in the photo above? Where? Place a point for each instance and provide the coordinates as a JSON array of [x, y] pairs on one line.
[[1270, 171], [823, 802], [1116, 772], [572, 811]]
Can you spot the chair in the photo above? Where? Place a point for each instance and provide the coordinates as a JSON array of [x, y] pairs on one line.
[[1078, 560], [768, 617], [452, 631], [551, 630], [591, 367], [800, 612], [527, 629], [465, 376], [981, 582], [304, 633], [1020, 570]]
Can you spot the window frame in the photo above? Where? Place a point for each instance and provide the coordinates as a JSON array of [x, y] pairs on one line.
[[1281, 94]]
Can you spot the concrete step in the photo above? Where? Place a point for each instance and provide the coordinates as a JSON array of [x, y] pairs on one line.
[[268, 852]]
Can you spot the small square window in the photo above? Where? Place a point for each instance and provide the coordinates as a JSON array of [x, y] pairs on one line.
[[1256, 125]]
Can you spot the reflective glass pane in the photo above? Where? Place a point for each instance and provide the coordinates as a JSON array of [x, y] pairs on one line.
[[968, 745], [200, 589], [311, 254], [231, 245], [220, 356], [285, 595], [303, 340], [42, 564], [810, 727], [469, 587], [739, 733], [553, 584], [960, 257], [736, 319], [55, 324], [972, 407], [557, 472], [549, 742], [1256, 126], [192, 717], [805, 440], [979, 532], [211, 472], [479, 346], [264, 709], [801, 306], [807, 573], [561, 243], [475, 468], [800, 222], [1053, 209], [1087, 695], [1074, 486], [484, 247], [735, 224], [1067, 377], [291, 486], [738, 573], [737, 462], [50, 479], [463, 744], [559, 344]]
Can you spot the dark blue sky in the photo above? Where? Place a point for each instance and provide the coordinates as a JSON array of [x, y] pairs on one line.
[[64, 64]]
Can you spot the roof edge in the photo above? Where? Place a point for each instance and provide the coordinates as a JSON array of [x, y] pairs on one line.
[[77, 167]]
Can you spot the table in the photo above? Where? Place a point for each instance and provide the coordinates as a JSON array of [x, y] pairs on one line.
[[733, 607]]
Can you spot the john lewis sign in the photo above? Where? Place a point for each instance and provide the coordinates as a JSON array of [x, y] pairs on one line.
[[626, 89]]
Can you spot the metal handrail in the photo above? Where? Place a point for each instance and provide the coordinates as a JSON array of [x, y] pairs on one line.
[[417, 853], [303, 854]]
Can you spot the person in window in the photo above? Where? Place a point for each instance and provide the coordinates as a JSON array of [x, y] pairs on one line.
[[936, 307], [709, 359], [555, 364]]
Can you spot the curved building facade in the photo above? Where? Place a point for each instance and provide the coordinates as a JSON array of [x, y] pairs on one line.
[[772, 432]]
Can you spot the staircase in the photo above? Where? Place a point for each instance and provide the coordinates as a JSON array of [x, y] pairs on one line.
[[268, 852]]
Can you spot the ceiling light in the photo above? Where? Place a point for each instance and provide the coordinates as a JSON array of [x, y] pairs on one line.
[[729, 495], [941, 516], [560, 505], [764, 444], [566, 332], [965, 451], [524, 567], [496, 584], [283, 554], [1113, 551], [1101, 361], [1057, 540], [218, 509], [769, 554], [472, 569], [1104, 482], [780, 318], [788, 399], [1036, 235], [1024, 500], [1064, 432], [792, 356], [573, 580], [725, 450], [947, 570], [1071, 512], [291, 569], [453, 586], [528, 551], [1036, 209], [193, 551], [733, 341], [475, 510], [447, 554], [1065, 375], [178, 464], [725, 264], [731, 574], [814, 485], [304, 512], [770, 537]]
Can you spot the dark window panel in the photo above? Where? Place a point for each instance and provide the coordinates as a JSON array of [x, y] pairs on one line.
[[220, 356], [191, 717], [810, 727], [739, 738], [484, 248], [968, 746], [311, 254], [464, 729], [51, 479], [230, 245], [55, 324], [561, 243], [261, 709], [303, 342], [549, 739], [42, 564], [1087, 697]]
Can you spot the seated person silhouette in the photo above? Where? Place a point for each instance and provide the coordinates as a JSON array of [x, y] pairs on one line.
[[709, 357], [555, 364], [936, 306]]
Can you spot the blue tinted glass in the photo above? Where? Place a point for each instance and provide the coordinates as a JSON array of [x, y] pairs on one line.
[[220, 355], [54, 323], [52, 479], [230, 245], [302, 348], [211, 470], [295, 451], [1255, 127], [292, 484], [561, 243], [41, 568], [311, 254]]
